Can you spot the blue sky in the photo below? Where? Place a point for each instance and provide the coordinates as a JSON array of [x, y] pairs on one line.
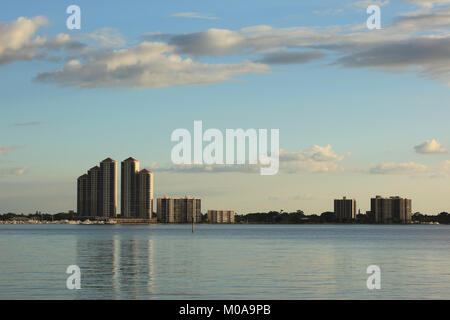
[[371, 95]]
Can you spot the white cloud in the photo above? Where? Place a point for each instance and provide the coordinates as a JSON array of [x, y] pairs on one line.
[[18, 40], [194, 15], [430, 147], [416, 42], [149, 64], [314, 159], [402, 168]]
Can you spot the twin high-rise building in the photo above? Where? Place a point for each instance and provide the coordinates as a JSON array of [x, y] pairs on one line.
[[137, 191], [181, 210], [345, 209], [97, 191], [390, 210]]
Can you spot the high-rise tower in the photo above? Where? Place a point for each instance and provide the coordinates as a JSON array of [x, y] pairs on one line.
[[93, 189], [82, 183], [145, 194], [128, 187], [108, 188]]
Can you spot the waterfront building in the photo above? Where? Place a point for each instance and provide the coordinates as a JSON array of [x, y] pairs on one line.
[[390, 210], [108, 188], [345, 209], [144, 194], [128, 188], [93, 192], [220, 216], [181, 210], [82, 183]]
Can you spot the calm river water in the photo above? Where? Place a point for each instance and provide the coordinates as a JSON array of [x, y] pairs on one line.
[[224, 261]]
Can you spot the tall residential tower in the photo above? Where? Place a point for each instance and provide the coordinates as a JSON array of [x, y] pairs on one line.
[[345, 209], [108, 188], [128, 188], [144, 197]]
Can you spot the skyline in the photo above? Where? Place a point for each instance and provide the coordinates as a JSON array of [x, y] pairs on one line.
[[360, 112]]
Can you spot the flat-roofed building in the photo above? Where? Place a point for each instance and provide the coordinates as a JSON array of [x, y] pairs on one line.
[[390, 210], [181, 210], [345, 209], [220, 216], [165, 210]]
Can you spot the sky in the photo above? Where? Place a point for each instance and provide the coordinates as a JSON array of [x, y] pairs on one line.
[[360, 112]]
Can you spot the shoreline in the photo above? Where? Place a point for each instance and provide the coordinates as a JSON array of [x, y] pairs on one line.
[[113, 222]]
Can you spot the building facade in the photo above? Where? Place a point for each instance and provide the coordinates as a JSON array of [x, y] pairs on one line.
[[345, 209], [128, 188], [93, 193], [108, 189], [97, 191], [144, 194], [220, 216], [390, 210], [82, 184], [181, 210]]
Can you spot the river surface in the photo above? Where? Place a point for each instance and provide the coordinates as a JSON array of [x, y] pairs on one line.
[[224, 261]]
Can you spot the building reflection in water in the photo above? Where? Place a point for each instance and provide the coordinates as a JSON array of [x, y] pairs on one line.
[[115, 266]]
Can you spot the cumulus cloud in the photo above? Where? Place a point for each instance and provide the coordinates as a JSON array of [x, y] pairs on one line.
[[402, 168], [17, 171], [149, 64], [194, 15], [18, 40], [417, 42], [430, 147], [314, 159]]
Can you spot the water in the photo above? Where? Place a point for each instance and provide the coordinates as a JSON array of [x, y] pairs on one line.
[[224, 261]]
